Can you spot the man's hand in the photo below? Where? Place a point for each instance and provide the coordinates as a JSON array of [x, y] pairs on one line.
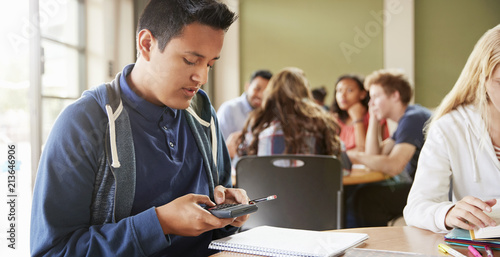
[[468, 213], [232, 195], [185, 217]]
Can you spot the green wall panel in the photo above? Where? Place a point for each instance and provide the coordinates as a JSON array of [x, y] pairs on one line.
[[445, 34], [310, 35]]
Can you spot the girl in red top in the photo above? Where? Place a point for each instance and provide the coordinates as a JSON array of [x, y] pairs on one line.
[[350, 108]]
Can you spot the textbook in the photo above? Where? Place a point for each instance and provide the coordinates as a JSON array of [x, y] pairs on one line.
[[462, 237], [489, 233], [276, 241]]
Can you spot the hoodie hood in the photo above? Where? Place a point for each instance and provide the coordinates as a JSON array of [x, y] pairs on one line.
[[111, 102], [201, 109], [477, 131]]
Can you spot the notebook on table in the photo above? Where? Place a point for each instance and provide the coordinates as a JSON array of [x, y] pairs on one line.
[[276, 241]]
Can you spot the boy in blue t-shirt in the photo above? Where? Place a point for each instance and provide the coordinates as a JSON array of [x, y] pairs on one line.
[[377, 203]]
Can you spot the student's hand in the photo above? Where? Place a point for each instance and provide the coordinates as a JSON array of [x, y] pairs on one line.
[[468, 213], [373, 118], [185, 217], [356, 111], [232, 143], [232, 195]]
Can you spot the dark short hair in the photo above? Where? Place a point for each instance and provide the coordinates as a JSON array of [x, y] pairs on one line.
[[319, 93], [167, 18], [266, 74]]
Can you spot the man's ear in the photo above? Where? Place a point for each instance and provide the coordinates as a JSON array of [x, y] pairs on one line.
[[396, 96], [247, 85], [145, 42]]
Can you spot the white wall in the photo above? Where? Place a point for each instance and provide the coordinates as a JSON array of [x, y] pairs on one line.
[[227, 68], [110, 39]]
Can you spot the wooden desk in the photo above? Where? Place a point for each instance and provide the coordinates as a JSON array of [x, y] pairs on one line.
[[402, 239], [357, 176], [361, 176]]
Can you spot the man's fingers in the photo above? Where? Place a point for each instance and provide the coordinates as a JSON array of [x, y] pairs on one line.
[[203, 199]]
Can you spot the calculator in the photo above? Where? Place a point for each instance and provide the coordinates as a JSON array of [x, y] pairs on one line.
[[232, 210]]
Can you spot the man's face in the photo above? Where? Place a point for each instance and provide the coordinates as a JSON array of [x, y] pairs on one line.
[[179, 72], [255, 91], [380, 103]]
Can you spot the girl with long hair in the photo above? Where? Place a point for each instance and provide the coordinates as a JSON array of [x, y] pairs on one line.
[[458, 174], [289, 122]]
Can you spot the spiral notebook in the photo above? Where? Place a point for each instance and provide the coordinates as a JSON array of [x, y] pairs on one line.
[[275, 241]]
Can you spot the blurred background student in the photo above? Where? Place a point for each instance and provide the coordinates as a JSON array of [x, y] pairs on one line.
[[319, 95], [375, 204], [350, 108], [289, 122], [232, 114], [458, 174]]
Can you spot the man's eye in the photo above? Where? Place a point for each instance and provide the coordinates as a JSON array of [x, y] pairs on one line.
[[188, 62]]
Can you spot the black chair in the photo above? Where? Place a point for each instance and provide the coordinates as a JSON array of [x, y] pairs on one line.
[[308, 189]]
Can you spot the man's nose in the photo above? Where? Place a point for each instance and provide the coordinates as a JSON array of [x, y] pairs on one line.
[[201, 75]]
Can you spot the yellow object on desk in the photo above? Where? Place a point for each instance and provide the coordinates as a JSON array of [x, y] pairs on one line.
[[446, 249]]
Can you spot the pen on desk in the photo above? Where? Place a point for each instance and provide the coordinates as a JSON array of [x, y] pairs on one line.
[[474, 251], [271, 197], [489, 253], [446, 249]]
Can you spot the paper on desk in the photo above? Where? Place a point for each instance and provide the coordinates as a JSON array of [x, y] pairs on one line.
[[489, 232]]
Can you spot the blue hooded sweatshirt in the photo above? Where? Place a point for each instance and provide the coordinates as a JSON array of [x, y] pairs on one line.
[[86, 180]]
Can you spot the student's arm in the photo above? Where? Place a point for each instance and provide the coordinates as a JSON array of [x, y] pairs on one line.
[[232, 143], [429, 206], [63, 196], [391, 164], [373, 143], [357, 113]]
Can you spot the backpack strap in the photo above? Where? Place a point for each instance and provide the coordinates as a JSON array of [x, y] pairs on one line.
[[120, 152]]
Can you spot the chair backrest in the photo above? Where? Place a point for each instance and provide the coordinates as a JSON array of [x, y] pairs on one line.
[[308, 189]]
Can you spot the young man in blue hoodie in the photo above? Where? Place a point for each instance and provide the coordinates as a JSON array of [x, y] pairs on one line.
[[129, 166]]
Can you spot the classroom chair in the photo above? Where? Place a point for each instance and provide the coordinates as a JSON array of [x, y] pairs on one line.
[[308, 189]]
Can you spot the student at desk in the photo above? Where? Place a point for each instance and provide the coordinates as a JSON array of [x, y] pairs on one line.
[[289, 122], [460, 158], [350, 108], [232, 114], [377, 203], [128, 167]]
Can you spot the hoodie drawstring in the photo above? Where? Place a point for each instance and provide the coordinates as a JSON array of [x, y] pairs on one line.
[[211, 125], [214, 141], [111, 118], [472, 154]]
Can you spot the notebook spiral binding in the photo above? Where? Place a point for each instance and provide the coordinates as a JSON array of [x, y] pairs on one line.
[[257, 250]]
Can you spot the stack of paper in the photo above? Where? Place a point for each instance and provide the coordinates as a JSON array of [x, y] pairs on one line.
[[489, 233], [274, 241], [462, 237]]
